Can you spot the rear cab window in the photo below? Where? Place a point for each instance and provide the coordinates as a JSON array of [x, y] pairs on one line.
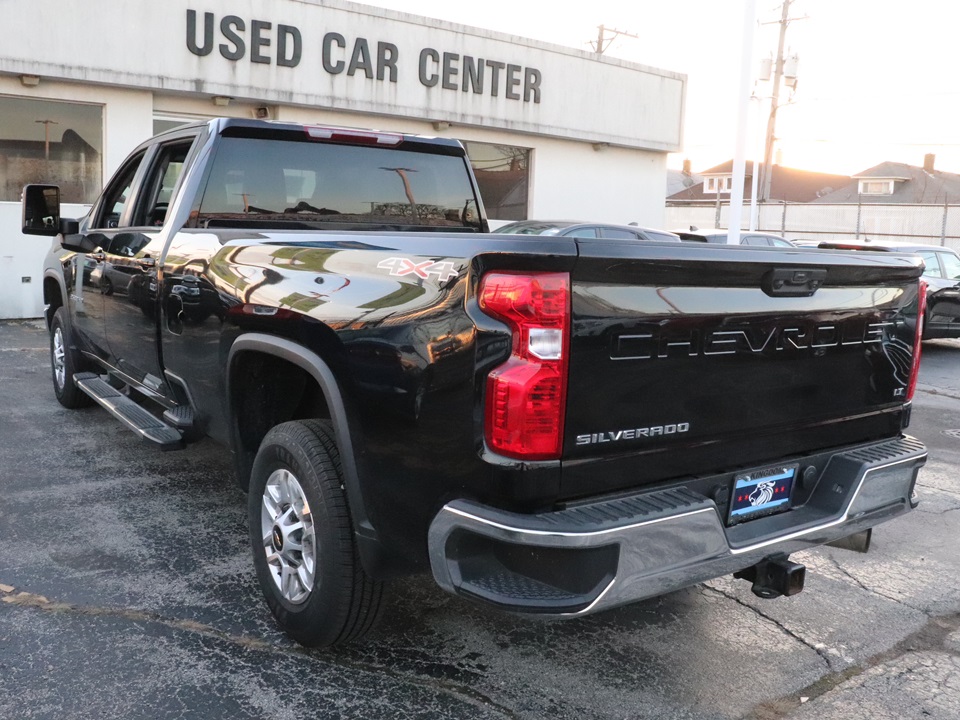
[[260, 182]]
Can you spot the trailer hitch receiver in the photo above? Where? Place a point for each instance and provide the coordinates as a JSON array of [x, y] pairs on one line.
[[774, 576]]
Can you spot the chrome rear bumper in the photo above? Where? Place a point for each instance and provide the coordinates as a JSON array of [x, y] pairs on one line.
[[600, 555]]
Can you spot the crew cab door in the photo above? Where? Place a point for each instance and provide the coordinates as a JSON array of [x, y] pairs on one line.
[[132, 263], [94, 278]]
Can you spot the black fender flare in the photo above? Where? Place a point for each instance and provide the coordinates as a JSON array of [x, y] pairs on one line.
[[367, 538], [64, 299]]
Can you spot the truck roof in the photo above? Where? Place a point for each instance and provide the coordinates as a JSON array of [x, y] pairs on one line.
[[221, 125]]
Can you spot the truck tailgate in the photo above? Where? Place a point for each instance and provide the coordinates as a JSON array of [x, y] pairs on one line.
[[691, 360]]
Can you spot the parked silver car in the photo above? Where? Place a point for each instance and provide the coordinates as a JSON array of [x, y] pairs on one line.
[[750, 237], [569, 228]]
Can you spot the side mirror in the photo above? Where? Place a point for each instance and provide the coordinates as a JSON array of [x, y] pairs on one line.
[[41, 210]]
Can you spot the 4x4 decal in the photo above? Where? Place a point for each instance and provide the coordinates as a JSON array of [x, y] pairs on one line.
[[400, 266]]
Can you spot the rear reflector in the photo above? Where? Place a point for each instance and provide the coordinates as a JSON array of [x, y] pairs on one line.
[[918, 337], [526, 396]]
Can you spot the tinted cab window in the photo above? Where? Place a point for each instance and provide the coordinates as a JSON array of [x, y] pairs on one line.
[[270, 182], [660, 236], [116, 198], [950, 264], [932, 268], [580, 232], [617, 233]]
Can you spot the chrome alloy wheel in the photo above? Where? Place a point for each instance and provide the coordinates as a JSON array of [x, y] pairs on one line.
[[289, 539], [59, 368]]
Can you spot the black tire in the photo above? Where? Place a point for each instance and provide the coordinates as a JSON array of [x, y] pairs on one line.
[[343, 603], [65, 360]]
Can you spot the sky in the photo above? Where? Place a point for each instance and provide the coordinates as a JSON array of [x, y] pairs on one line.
[[877, 79]]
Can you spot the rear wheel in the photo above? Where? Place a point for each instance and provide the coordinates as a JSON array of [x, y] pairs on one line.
[[302, 538], [65, 360]]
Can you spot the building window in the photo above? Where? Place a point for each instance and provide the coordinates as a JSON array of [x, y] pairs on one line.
[[503, 176], [876, 187], [46, 141], [162, 123], [724, 183]]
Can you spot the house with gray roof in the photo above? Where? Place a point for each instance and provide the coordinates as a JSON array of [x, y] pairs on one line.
[[899, 183], [787, 184]]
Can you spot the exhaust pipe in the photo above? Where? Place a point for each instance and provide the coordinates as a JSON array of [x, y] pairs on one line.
[[774, 576]]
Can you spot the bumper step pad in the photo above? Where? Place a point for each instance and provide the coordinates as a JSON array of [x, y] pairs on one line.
[[135, 417]]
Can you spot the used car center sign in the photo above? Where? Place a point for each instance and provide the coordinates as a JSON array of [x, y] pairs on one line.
[[373, 59], [337, 55]]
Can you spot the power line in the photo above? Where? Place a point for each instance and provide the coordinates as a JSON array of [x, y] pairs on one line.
[[600, 46]]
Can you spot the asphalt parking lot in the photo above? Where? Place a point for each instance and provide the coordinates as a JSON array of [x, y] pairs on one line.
[[127, 591]]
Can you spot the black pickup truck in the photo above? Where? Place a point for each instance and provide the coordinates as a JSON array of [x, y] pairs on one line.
[[549, 425]]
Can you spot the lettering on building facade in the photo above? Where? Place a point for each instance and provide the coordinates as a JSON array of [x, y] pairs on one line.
[[266, 43]]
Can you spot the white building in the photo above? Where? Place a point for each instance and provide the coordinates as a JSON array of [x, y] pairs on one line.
[[552, 132]]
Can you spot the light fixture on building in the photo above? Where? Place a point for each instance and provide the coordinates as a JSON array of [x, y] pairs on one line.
[[29, 80], [441, 125], [600, 146], [221, 100], [262, 113]]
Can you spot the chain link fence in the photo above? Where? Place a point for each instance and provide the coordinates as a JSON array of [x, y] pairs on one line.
[[927, 224]]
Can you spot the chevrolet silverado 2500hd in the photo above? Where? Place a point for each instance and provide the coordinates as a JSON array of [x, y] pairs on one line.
[[549, 425]]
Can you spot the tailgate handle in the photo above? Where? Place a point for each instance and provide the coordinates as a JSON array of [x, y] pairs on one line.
[[793, 282]]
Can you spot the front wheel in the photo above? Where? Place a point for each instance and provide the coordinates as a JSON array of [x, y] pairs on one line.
[[301, 534], [65, 360]]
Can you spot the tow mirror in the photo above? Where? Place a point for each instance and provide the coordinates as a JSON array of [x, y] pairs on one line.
[[41, 210]]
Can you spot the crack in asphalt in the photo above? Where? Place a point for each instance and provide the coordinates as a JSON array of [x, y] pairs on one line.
[[940, 489], [463, 693], [819, 651], [939, 393], [872, 591], [931, 637]]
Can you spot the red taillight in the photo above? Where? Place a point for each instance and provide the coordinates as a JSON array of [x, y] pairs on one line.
[[918, 336], [526, 396]]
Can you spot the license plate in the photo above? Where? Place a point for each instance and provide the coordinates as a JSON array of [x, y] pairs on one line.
[[761, 492]]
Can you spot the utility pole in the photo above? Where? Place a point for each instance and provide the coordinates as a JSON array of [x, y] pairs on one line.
[[599, 47], [767, 177], [743, 121], [46, 136], [402, 172]]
